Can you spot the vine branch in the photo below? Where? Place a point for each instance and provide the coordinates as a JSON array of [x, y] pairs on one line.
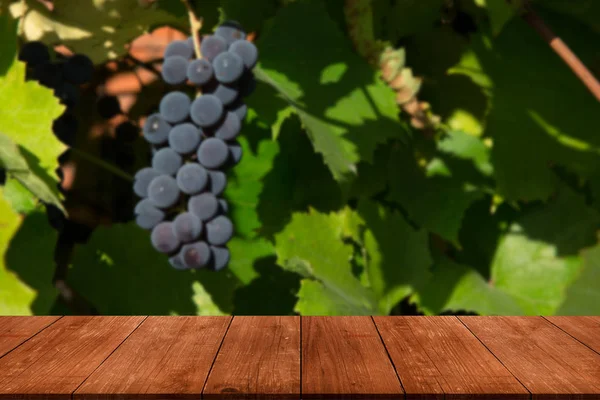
[[103, 164], [195, 26], [561, 48]]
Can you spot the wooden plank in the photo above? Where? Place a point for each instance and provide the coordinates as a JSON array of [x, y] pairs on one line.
[[549, 362], [57, 360], [584, 329], [166, 357], [16, 330], [259, 359], [434, 356], [343, 357]]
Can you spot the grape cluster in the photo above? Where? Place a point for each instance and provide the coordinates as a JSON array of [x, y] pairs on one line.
[[193, 144], [64, 75]]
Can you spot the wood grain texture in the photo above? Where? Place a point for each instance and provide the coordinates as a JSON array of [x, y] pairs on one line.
[[16, 330], [55, 362], [584, 329], [166, 357], [437, 356], [343, 357], [259, 359], [549, 362]]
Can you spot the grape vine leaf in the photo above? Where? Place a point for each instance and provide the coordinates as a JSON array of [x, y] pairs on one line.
[[120, 273], [536, 128], [455, 287], [583, 296], [398, 255], [467, 147], [399, 19], [15, 296], [99, 29], [345, 109], [311, 245], [435, 203], [500, 12]]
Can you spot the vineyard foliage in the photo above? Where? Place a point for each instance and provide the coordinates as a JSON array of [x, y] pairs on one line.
[[472, 186]]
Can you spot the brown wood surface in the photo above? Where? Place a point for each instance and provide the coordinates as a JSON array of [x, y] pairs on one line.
[[437, 356], [53, 363], [584, 329], [343, 357], [165, 356], [549, 362], [259, 358], [16, 330]]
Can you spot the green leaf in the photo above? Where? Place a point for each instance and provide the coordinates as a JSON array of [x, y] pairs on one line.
[[537, 259], [500, 12], [586, 11], [398, 19], [467, 147], [99, 29], [583, 296], [120, 273], [455, 287], [345, 109], [436, 203], [312, 243], [19, 197], [252, 15], [544, 125], [398, 255]]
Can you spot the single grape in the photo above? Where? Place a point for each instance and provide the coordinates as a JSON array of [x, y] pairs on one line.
[[48, 74], [212, 153], [230, 127], [205, 206], [65, 128], [34, 53], [176, 262], [228, 67], [218, 182], [68, 94], [156, 129], [78, 69], [163, 238], [174, 70], [199, 72], [147, 216], [219, 230], [206, 110], [240, 109], [166, 161], [192, 178], [195, 255], [223, 206], [226, 93], [220, 257], [108, 107], [163, 191], [142, 179], [230, 31], [247, 52], [235, 151], [187, 227], [175, 107], [184, 138], [126, 132], [181, 48], [212, 46]]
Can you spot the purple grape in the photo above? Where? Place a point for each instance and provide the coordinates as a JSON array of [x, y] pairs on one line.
[[163, 238], [156, 129], [218, 182], [192, 178], [205, 206], [213, 153], [239, 108], [220, 257], [211, 46], [175, 107], [78, 69], [228, 67], [247, 52], [176, 262], [223, 206], [219, 230], [206, 110], [230, 31], [199, 72], [181, 48], [166, 161], [142, 181], [235, 151], [34, 53], [187, 227], [163, 191], [174, 70], [195, 255], [147, 216], [230, 127]]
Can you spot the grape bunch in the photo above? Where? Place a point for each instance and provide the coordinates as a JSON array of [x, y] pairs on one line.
[[64, 75], [193, 144]]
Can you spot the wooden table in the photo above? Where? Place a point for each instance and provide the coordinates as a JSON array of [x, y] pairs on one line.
[[141, 357]]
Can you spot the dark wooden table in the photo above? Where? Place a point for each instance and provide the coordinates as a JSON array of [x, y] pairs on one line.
[[142, 357]]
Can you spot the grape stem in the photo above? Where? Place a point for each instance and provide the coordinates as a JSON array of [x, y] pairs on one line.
[[103, 164], [561, 48], [195, 26]]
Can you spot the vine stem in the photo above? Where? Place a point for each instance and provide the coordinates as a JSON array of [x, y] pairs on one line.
[[561, 48], [195, 26], [103, 164]]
